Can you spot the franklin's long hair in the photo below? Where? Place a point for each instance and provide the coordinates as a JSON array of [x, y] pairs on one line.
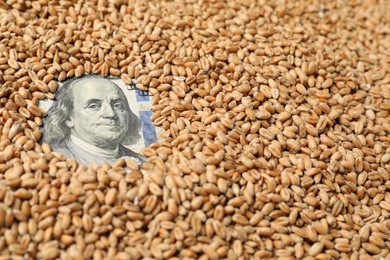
[[55, 130]]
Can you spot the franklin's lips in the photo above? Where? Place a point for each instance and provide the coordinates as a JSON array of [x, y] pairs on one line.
[[108, 124]]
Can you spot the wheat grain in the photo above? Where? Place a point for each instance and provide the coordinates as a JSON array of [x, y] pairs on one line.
[[276, 135]]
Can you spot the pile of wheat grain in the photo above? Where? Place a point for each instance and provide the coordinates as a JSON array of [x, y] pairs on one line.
[[276, 130]]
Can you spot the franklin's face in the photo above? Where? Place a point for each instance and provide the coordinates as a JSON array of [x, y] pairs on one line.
[[99, 113]]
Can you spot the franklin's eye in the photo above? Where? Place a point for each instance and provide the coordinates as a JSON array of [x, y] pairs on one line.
[[118, 106], [93, 106]]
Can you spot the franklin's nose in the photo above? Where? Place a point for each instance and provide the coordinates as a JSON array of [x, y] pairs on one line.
[[107, 110]]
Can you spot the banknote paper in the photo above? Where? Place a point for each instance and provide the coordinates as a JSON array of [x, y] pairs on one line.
[[99, 119]]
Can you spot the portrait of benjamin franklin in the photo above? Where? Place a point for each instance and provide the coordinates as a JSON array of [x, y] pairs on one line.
[[91, 120]]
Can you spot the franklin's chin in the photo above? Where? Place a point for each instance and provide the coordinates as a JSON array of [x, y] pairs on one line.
[[110, 134]]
